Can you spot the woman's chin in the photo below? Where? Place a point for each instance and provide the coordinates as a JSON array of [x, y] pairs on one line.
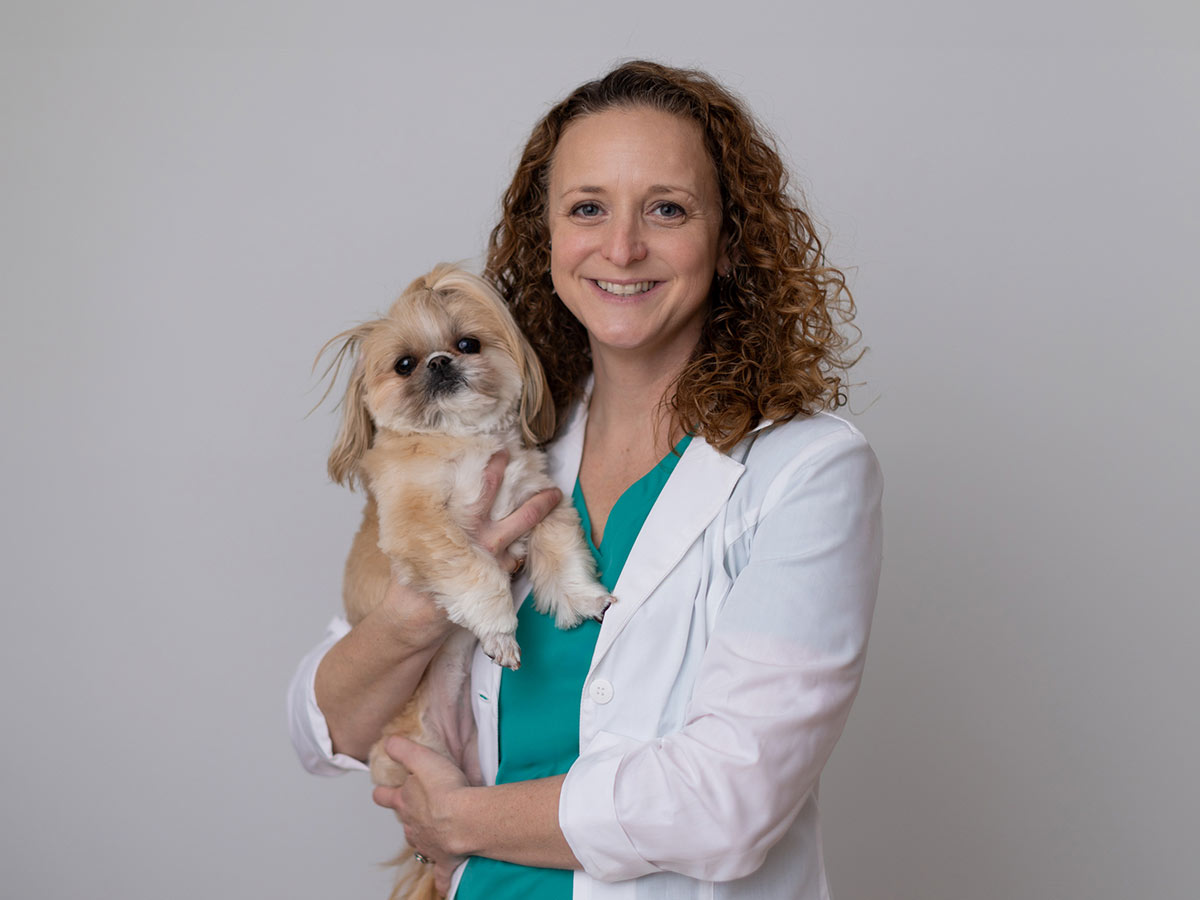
[[628, 342]]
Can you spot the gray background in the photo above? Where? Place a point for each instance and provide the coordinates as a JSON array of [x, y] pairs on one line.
[[194, 197]]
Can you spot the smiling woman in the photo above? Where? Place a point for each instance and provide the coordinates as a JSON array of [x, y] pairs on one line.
[[688, 326]]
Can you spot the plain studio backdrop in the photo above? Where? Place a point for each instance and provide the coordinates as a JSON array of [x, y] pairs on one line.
[[194, 197]]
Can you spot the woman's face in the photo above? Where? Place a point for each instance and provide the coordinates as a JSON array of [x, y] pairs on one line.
[[635, 230]]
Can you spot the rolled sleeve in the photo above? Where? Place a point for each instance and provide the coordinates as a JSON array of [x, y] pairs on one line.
[[774, 687], [306, 723], [588, 816]]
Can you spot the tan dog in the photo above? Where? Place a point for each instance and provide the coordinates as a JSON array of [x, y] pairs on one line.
[[440, 385]]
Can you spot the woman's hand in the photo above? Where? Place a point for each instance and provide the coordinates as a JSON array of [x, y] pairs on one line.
[[446, 819], [424, 804], [497, 536]]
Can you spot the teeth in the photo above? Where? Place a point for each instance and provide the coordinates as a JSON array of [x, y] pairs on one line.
[[626, 290]]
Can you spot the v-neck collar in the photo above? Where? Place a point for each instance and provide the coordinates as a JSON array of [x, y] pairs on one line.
[[660, 470]]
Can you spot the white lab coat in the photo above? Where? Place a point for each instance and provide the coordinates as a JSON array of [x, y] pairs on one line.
[[722, 677]]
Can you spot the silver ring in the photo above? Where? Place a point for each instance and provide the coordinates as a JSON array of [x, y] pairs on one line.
[[423, 860]]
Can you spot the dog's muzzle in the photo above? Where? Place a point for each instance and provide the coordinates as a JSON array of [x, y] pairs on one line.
[[444, 377]]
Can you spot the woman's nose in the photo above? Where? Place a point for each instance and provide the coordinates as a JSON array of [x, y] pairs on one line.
[[624, 244]]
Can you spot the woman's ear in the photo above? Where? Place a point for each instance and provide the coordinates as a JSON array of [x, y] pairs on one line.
[[724, 263]]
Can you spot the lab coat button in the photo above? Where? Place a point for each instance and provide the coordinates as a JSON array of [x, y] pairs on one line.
[[601, 690]]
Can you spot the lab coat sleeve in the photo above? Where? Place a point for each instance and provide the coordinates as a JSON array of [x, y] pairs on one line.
[[306, 723], [781, 668]]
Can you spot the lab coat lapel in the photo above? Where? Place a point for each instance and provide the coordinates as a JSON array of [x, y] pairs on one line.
[[700, 485], [567, 450]]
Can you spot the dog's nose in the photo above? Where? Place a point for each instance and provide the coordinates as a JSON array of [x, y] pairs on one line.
[[439, 362]]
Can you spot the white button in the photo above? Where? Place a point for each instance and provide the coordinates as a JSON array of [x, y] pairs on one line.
[[601, 690]]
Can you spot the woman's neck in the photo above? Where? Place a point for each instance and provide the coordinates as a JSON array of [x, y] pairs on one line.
[[630, 411], [630, 427]]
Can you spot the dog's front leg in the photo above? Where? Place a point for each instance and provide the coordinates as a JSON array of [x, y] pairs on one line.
[[478, 596], [438, 556], [563, 571]]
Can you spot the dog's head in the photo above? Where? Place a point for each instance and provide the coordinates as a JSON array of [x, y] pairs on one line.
[[447, 359]]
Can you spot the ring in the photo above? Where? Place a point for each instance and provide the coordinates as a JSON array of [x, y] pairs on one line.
[[423, 860]]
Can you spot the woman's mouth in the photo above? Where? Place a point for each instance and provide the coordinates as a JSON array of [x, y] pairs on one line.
[[625, 290]]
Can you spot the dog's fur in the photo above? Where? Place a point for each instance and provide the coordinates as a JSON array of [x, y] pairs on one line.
[[440, 385]]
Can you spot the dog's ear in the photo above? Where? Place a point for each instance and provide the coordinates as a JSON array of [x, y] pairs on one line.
[[357, 429], [355, 433], [537, 405]]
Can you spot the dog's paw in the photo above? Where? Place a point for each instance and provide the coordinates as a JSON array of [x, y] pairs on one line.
[[580, 605], [502, 648]]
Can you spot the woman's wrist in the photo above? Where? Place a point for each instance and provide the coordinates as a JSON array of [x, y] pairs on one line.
[[410, 622], [461, 822]]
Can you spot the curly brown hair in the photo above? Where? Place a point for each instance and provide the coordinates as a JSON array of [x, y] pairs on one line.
[[770, 347]]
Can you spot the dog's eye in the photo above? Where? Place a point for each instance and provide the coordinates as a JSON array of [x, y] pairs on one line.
[[405, 366], [468, 345]]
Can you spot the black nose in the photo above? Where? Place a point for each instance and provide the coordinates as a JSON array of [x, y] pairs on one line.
[[444, 376]]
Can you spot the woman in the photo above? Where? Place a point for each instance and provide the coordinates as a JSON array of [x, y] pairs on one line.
[[687, 325]]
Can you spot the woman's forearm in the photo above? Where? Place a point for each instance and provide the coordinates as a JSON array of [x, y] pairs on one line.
[[366, 678], [516, 823]]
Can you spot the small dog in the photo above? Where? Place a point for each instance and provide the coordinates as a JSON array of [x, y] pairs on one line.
[[440, 385]]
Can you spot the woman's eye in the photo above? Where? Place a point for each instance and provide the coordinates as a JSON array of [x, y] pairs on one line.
[[587, 210], [468, 345], [669, 210], [405, 365]]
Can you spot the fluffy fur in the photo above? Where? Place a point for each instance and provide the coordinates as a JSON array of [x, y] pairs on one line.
[[439, 385]]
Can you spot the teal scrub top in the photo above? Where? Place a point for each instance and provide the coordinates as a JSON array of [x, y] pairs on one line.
[[539, 703]]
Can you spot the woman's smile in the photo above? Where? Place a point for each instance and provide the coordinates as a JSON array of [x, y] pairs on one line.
[[625, 290]]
